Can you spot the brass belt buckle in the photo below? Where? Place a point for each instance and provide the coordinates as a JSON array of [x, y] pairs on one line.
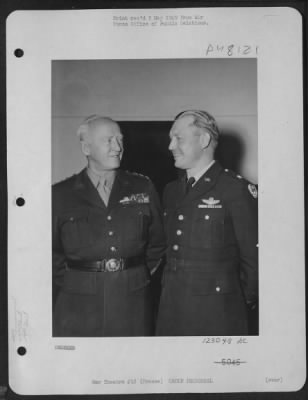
[[113, 265]]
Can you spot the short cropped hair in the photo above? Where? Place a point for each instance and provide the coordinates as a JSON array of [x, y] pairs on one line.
[[203, 120], [86, 124]]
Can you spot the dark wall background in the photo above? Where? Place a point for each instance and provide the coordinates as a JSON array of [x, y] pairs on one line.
[[146, 150]]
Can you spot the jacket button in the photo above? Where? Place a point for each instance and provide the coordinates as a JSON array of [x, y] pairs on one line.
[[113, 248], [179, 232], [175, 247], [181, 217], [109, 218], [217, 289]]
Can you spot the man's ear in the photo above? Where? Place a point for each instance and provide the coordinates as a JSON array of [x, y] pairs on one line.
[[205, 140], [85, 148]]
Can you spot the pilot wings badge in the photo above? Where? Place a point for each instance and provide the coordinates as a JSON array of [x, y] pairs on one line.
[[210, 203]]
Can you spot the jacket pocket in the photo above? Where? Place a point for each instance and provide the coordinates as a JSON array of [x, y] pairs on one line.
[[135, 220], [76, 232], [208, 229], [203, 285], [79, 282]]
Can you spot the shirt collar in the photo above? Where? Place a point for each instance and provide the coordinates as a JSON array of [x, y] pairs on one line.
[[105, 177], [198, 175]]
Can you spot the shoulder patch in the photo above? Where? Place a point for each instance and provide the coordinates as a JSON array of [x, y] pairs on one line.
[[253, 190]]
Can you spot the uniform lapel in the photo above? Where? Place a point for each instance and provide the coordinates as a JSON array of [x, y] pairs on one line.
[[85, 189], [180, 190], [204, 184]]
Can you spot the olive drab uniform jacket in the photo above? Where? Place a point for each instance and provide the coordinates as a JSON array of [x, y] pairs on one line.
[[127, 233], [212, 258]]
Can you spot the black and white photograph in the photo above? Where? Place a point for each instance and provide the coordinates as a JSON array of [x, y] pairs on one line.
[[135, 251], [150, 161]]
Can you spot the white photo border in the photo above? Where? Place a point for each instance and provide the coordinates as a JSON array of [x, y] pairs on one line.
[[275, 360]]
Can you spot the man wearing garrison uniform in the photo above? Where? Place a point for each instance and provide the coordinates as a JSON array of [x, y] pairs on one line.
[[211, 221], [107, 239]]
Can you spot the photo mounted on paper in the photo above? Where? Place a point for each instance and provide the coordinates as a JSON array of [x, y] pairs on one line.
[[161, 235], [109, 244]]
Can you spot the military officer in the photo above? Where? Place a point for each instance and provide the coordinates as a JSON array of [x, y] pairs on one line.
[[107, 238], [211, 276]]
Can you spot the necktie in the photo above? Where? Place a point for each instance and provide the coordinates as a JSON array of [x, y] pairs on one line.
[[189, 184], [103, 190]]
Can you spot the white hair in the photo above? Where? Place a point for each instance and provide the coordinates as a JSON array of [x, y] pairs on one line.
[[86, 124]]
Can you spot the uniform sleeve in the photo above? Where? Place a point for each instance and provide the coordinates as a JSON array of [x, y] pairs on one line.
[[244, 212], [156, 238], [58, 256]]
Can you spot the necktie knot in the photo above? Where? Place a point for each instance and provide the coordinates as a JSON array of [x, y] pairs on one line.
[[104, 182], [189, 183]]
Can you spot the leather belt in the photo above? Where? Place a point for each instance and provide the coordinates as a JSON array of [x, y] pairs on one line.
[[106, 264]]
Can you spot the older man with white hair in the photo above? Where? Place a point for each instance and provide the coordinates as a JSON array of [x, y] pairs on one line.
[[107, 239], [211, 221]]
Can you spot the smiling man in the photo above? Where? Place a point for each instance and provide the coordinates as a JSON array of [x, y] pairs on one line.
[[107, 239], [211, 221]]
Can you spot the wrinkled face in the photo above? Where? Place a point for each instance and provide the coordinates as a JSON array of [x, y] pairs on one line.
[[186, 143], [103, 145]]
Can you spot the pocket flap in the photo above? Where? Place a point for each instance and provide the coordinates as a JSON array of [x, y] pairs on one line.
[[74, 215]]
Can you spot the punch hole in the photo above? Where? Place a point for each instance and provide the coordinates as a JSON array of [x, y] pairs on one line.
[[19, 53], [21, 351], [20, 201]]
